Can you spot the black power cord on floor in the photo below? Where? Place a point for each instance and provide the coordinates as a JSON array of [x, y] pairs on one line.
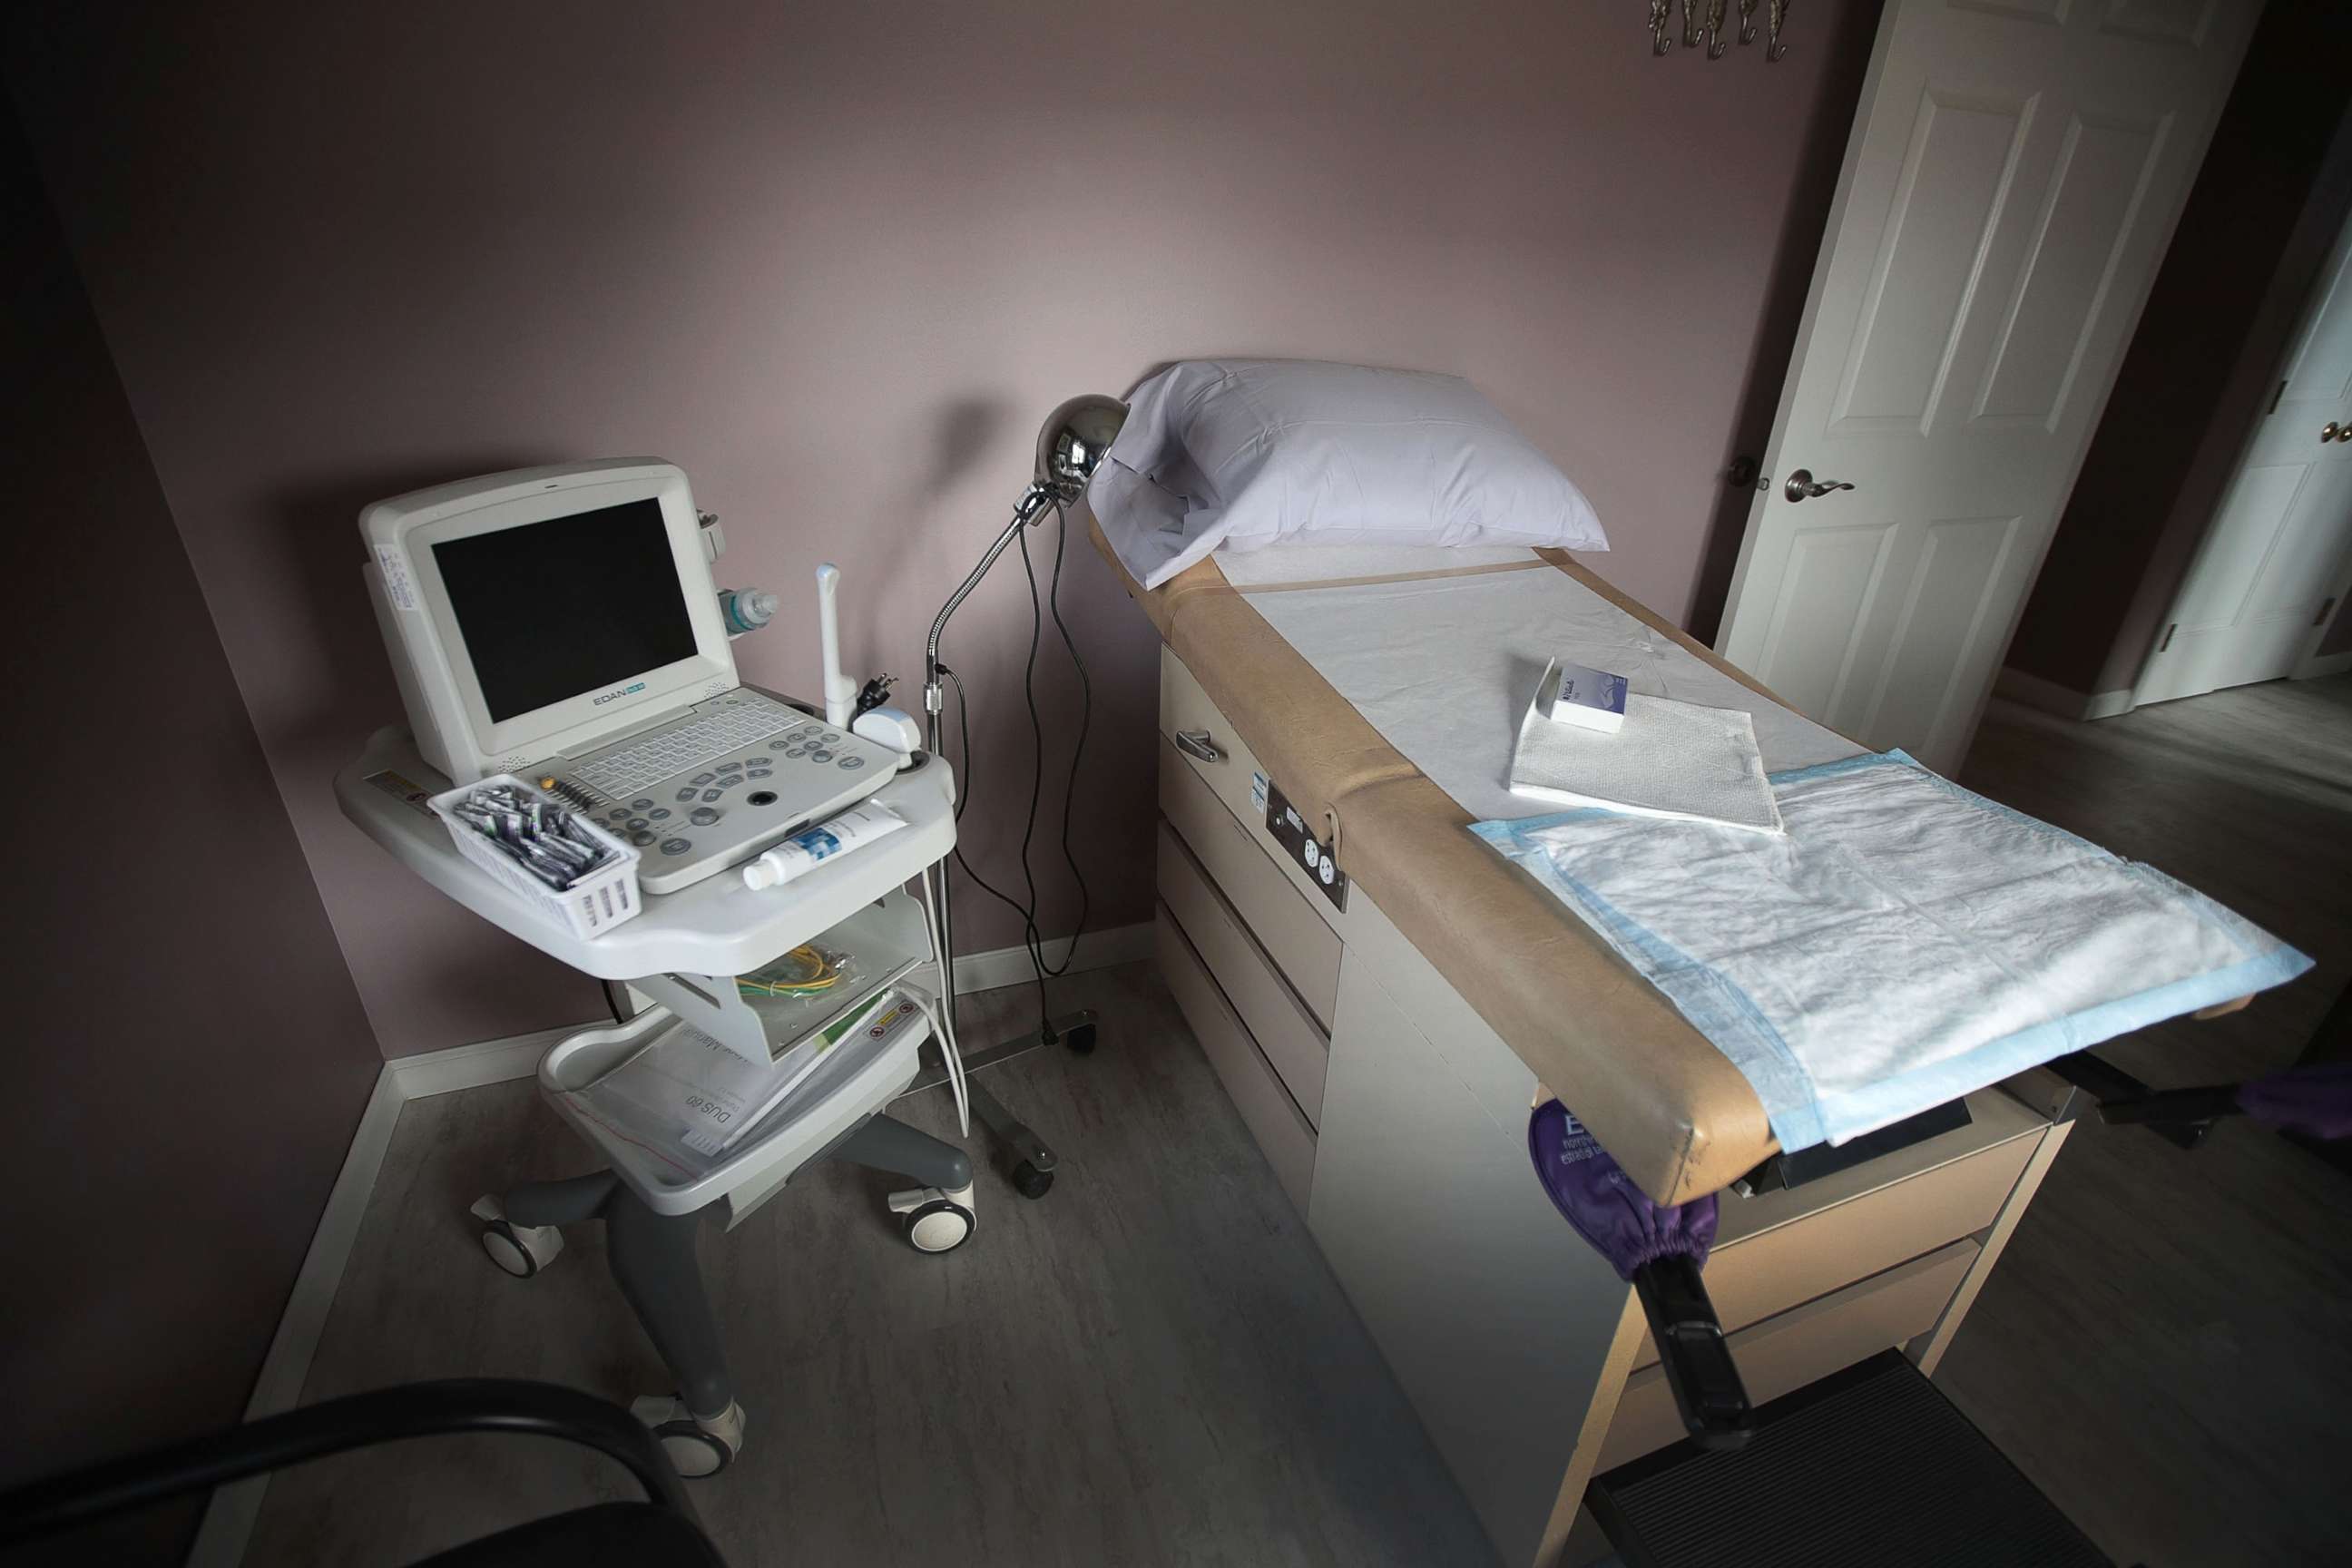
[[1026, 907]]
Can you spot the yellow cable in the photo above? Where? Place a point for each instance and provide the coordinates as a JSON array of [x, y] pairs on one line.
[[825, 975]]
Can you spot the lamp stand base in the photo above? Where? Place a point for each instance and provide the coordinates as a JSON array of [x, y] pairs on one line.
[[1031, 1173]]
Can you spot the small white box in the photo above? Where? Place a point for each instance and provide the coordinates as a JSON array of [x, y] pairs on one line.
[[1577, 694]]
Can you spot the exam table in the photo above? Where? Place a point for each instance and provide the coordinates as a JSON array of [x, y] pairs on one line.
[[1384, 998]]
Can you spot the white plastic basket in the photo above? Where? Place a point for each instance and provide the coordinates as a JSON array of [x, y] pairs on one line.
[[590, 907]]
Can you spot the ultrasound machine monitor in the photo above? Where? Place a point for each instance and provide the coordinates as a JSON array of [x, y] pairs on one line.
[[560, 624]]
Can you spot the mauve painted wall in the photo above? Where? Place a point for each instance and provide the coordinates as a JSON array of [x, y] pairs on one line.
[[838, 261], [187, 1058]]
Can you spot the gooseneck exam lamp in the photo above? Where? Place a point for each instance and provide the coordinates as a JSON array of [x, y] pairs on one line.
[[1070, 446]]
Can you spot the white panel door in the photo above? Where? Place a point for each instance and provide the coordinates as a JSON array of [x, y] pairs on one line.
[[2012, 178], [2271, 568]]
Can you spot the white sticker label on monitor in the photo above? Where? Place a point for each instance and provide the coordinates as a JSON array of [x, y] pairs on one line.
[[395, 567]]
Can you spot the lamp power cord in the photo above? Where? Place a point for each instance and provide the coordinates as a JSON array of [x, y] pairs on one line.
[[1025, 906]]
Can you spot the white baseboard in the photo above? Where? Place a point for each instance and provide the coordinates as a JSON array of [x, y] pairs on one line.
[[485, 1061], [2110, 704], [1011, 965], [229, 1519], [2049, 697]]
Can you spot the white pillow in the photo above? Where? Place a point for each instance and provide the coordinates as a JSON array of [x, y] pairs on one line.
[[1242, 454]]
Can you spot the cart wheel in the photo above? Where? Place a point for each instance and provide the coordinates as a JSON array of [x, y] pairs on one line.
[[498, 1241], [1030, 1182], [1081, 1040], [521, 1250], [695, 1453], [696, 1449], [941, 1225]]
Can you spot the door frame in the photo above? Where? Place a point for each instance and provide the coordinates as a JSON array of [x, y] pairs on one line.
[[2312, 664], [2308, 664], [1841, 198]]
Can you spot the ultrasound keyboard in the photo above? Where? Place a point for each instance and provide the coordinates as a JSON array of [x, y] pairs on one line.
[[719, 785], [705, 738]]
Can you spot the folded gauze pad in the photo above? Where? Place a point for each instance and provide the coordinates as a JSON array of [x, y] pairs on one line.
[[1670, 759], [1242, 454]]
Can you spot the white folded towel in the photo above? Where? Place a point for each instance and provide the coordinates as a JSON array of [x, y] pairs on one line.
[[1670, 759]]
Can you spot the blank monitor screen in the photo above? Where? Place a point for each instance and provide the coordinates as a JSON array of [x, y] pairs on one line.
[[557, 609]]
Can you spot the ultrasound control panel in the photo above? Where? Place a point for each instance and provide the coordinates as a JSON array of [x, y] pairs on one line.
[[718, 814]]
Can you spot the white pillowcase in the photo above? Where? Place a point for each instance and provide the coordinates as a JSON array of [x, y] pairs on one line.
[[1242, 454]]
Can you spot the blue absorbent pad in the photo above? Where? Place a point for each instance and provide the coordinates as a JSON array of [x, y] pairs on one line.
[[1906, 943]]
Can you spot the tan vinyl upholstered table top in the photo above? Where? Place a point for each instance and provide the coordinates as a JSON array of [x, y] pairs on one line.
[[1660, 1097]]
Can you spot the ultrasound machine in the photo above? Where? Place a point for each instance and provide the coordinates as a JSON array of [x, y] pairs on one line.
[[562, 625], [560, 648]]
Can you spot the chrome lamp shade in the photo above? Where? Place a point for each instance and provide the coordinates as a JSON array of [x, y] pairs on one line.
[[1072, 440]]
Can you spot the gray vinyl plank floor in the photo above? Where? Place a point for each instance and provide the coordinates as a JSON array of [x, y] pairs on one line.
[[1151, 1365], [2166, 1348]]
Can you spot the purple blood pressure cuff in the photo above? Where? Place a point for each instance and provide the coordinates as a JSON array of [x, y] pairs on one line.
[[2313, 1100], [1602, 1203]]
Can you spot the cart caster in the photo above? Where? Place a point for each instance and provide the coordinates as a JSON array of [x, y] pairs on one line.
[[522, 1250], [936, 1220], [1030, 1182], [940, 1226], [696, 1447], [1081, 1040]]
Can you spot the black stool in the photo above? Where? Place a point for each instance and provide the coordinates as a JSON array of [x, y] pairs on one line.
[[1869, 1467], [660, 1532]]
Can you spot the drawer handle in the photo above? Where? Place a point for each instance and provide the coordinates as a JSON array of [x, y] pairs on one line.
[[1196, 743]]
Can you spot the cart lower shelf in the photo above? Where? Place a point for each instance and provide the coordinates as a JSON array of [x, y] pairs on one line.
[[861, 1072]]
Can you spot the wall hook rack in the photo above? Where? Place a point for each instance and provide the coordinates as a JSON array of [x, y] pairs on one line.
[[1704, 26]]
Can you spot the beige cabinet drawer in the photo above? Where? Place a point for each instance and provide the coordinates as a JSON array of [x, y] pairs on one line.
[[1287, 1034], [1183, 706], [1280, 917], [1858, 1223], [1797, 1347], [1282, 1132]]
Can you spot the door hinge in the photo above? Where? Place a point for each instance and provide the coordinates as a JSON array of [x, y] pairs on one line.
[[2167, 636], [2321, 619], [2274, 400]]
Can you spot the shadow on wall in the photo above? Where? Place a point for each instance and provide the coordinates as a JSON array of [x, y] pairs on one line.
[[1770, 362], [317, 525], [965, 427], [962, 429], [347, 691]]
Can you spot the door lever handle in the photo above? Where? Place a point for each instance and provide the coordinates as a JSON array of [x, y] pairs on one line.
[[1802, 486], [1196, 743]]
